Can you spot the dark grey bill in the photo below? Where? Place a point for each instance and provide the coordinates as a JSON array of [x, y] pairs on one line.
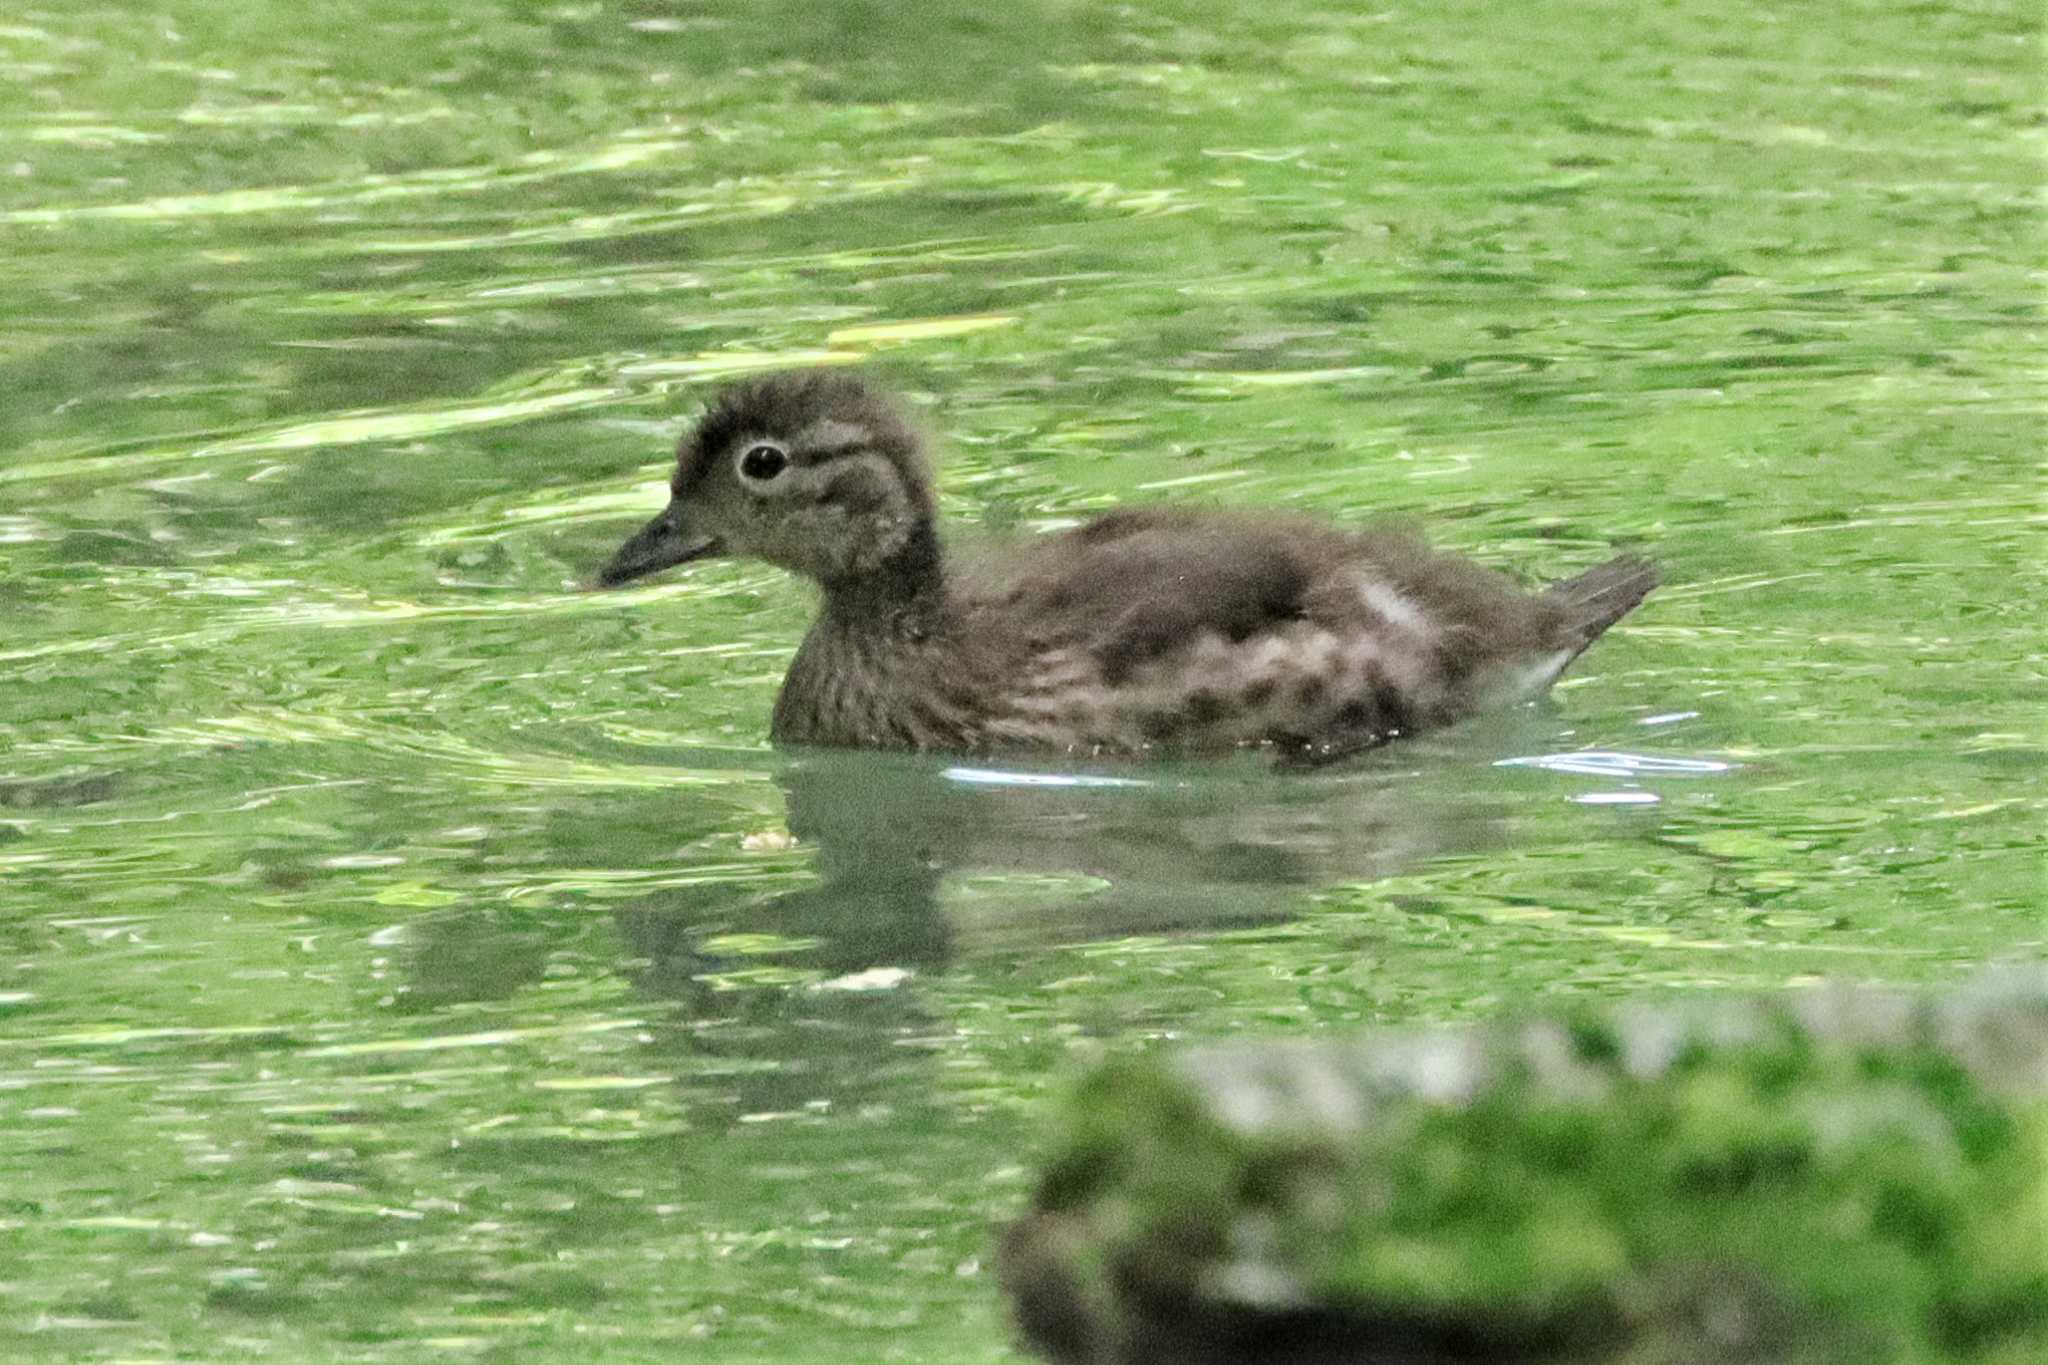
[[660, 544]]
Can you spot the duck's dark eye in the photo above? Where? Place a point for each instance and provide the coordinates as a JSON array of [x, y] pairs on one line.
[[763, 462]]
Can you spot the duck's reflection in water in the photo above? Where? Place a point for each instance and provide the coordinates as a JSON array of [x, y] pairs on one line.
[[1124, 851], [924, 873], [820, 996]]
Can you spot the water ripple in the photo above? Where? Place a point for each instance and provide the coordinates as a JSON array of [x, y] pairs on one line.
[[1606, 763]]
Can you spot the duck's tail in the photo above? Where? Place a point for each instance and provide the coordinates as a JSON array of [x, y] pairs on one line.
[[1599, 597]]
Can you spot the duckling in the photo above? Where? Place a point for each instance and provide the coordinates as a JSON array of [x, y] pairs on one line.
[[1145, 631]]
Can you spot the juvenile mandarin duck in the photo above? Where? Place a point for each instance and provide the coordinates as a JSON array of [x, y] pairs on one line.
[[1148, 630]]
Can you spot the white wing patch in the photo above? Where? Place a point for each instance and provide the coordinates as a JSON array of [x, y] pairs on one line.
[[1388, 603]]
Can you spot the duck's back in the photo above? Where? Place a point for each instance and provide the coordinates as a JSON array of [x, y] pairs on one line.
[[1179, 629]]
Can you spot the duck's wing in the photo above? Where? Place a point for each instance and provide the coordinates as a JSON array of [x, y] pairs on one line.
[[1182, 629], [1135, 586]]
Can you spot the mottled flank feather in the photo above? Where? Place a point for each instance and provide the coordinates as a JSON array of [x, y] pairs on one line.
[[1146, 630]]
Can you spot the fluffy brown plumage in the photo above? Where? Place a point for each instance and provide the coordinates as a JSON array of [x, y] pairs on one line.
[[1144, 630]]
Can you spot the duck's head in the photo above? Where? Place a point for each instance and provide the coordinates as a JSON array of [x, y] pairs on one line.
[[811, 470]]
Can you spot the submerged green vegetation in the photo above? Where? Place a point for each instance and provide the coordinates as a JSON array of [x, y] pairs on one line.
[[406, 956]]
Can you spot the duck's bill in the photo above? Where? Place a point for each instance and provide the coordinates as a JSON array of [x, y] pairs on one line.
[[661, 544]]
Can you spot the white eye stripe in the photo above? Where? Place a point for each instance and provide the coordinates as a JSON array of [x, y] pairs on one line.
[[829, 436]]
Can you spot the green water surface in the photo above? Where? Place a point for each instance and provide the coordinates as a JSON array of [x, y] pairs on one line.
[[406, 956]]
